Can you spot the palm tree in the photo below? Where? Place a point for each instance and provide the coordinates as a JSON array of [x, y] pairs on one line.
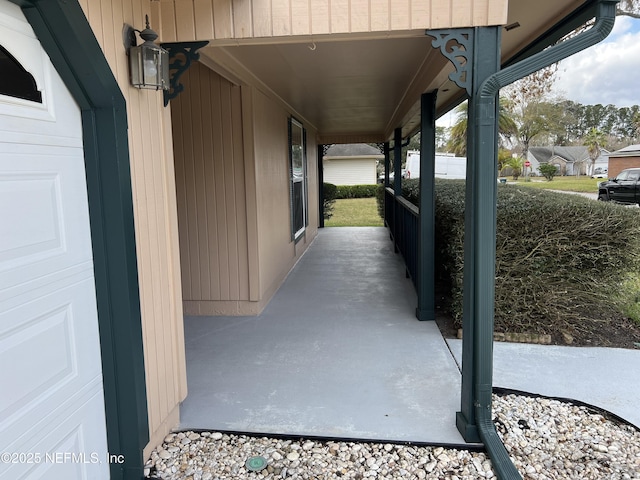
[[458, 136], [594, 140]]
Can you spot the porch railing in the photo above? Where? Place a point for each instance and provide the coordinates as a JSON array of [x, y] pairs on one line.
[[401, 218]]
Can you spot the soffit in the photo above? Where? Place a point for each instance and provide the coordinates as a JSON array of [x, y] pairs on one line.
[[359, 89]]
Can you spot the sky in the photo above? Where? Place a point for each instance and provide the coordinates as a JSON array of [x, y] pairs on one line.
[[606, 73]]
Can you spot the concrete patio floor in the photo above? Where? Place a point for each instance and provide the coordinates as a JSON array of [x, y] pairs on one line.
[[338, 352]]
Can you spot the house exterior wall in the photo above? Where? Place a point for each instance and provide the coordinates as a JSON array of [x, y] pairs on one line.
[[277, 251], [185, 20], [210, 184], [617, 164], [232, 181], [350, 171], [155, 218]]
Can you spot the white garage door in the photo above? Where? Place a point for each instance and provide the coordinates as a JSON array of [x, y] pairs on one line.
[[52, 421]]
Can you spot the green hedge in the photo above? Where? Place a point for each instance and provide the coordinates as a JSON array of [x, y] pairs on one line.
[[560, 258], [329, 195], [380, 200], [356, 191]]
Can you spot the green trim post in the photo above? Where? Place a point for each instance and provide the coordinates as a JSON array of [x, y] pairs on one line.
[[321, 185], [387, 164], [69, 41], [484, 66], [397, 162], [426, 220], [397, 184]]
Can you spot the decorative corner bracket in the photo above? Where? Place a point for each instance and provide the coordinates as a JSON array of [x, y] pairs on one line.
[[457, 45], [380, 146], [181, 54], [326, 147]]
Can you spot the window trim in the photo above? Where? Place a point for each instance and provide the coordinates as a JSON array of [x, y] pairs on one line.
[[298, 233]]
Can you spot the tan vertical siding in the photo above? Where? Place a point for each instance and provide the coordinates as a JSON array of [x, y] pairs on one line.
[[360, 22], [300, 18], [225, 20], [277, 252], [401, 15], [155, 219], [210, 183], [281, 17], [462, 13], [339, 23], [420, 14], [204, 24]]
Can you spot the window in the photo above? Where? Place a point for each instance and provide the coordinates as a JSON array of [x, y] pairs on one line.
[[15, 81], [298, 178]]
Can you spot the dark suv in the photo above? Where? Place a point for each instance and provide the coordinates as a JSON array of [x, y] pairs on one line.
[[625, 188]]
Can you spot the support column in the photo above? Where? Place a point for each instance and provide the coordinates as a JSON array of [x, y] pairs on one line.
[[397, 162], [426, 221], [480, 235], [387, 162], [397, 183], [321, 185]]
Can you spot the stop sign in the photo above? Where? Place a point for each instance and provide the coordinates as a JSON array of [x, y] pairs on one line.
[[527, 163]]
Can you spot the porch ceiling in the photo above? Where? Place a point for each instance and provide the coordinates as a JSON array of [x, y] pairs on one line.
[[359, 89]]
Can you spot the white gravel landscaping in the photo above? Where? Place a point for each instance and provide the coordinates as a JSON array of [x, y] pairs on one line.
[[547, 439]]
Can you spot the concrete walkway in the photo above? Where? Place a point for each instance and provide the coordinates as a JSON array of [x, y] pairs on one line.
[[338, 352], [608, 378]]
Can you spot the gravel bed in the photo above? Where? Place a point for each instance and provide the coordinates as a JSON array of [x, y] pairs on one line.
[[547, 439]]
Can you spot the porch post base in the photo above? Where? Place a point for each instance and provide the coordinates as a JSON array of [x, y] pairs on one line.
[[425, 314], [468, 430]]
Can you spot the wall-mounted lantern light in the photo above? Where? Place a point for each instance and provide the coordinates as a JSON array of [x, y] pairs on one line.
[[148, 62]]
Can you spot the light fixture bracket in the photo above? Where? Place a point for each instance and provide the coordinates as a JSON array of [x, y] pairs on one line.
[[181, 54]]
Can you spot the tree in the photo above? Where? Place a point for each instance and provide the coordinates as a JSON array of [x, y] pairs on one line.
[[516, 164], [629, 8], [458, 134], [594, 140], [539, 119], [457, 143], [532, 113]]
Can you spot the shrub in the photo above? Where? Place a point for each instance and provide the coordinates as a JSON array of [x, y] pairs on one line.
[[548, 171], [557, 262], [380, 200], [329, 195], [411, 190], [356, 191]]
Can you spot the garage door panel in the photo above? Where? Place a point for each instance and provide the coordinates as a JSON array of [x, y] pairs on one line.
[[29, 203], [75, 436], [41, 342], [45, 203]]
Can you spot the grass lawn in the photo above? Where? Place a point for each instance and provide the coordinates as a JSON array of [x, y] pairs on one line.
[[569, 183], [355, 212]]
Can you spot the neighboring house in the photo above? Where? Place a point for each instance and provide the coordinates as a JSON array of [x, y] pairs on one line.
[[351, 164], [124, 208], [568, 160], [627, 157]]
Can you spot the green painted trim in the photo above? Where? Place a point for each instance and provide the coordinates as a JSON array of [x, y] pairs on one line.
[[66, 36], [485, 62], [320, 154], [427, 218]]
